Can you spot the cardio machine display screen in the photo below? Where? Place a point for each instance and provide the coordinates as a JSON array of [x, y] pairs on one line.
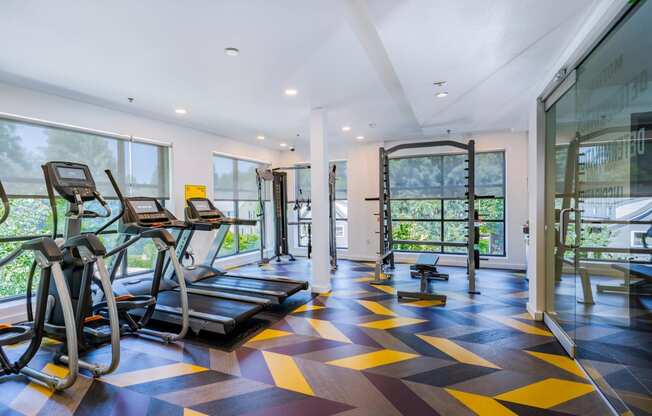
[[144, 207], [71, 173], [201, 205]]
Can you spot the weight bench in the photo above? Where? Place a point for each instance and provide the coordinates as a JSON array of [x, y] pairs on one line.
[[639, 271], [425, 269], [428, 264]]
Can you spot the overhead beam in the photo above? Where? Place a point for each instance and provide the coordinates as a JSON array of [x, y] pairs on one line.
[[361, 23]]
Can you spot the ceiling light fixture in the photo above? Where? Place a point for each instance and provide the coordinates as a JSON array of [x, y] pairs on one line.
[[360, 137], [231, 51], [291, 92], [346, 128], [284, 145], [439, 83], [260, 137], [181, 111], [442, 94]]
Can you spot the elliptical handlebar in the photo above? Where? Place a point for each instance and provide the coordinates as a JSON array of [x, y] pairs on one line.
[[53, 202], [118, 193]]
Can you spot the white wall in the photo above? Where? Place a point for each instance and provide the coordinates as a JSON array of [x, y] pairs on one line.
[[362, 165], [192, 150]]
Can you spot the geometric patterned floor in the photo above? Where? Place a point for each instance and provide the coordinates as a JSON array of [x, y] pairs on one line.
[[355, 351]]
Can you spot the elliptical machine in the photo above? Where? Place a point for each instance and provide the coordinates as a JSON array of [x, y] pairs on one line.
[[82, 254], [47, 257]]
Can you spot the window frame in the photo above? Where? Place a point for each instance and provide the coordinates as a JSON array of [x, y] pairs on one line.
[[236, 201], [442, 221], [165, 175]]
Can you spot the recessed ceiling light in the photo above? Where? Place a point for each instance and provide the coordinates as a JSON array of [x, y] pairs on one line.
[[181, 111], [291, 92], [284, 145], [360, 137], [346, 128], [231, 51], [442, 94], [439, 83], [260, 137]]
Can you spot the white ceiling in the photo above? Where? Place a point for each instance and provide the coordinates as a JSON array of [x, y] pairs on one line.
[[367, 62]]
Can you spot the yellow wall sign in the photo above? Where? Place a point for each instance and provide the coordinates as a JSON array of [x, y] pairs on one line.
[[194, 191]]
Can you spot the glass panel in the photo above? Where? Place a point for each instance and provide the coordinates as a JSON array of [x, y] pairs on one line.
[[491, 209], [455, 209], [599, 144], [224, 178], [340, 180], [455, 180], [246, 183], [490, 174], [304, 234], [229, 246], [416, 177], [141, 256], [416, 209], [492, 238], [416, 231], [149, 171], [455, 232], [341, 209], [342, 234]]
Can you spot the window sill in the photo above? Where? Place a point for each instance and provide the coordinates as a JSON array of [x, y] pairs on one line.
[[13, 311]]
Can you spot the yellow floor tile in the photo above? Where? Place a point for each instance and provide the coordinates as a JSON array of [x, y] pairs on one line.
[[304, 308], [386, 289], [520, 326], [33, 397], [422, 303], [372, 359], [376, 308], [152, 374], [286, 373], [524, 315], [392, 323], [561, 361], [457, 352], [364, 279], [547, 393], [481, 405], [269, 334], [327, 330]]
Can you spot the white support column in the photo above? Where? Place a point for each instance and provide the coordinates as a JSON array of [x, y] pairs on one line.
[[321, 279]]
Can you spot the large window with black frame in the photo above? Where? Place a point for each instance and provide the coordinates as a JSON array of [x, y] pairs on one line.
[[236, 195], [303, 214], [428, 202], [140, 167]]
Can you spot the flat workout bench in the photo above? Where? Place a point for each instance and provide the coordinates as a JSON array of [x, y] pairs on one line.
[[425, 269], [427, 263]]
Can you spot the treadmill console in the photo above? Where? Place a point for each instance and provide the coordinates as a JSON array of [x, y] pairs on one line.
[[72, 181], [147, 212], [202, 209]]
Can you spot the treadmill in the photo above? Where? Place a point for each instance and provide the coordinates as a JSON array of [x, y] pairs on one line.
[[219, 313], [202, 215]]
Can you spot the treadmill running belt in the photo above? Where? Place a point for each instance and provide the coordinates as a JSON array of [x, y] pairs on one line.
[[238, 311], [253, 284]]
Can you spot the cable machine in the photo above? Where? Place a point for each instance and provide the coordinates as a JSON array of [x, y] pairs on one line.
[[386, 240], [278, 178]]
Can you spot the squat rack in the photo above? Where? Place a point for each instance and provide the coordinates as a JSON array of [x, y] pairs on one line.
[[385, 237]]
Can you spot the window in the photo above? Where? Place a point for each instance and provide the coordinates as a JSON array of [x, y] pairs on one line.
[[302, 192], [236, 195], [428, 202], [140, 168]]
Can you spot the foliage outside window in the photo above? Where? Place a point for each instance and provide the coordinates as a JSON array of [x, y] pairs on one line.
[[428, 202], [236, 195], [302, 192], [141, 169]]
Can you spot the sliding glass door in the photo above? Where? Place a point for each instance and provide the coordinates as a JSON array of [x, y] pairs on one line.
[[599, 212]]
